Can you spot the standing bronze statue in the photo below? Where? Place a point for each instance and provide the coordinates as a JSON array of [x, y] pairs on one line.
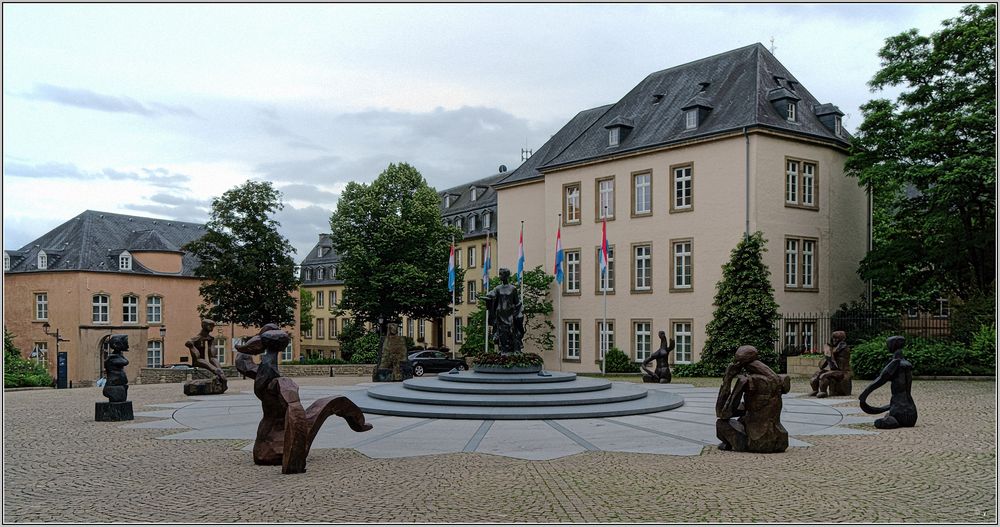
[[662, 372], [899, 372], [834, 375], [287, 430], [506, 315], [200, 347], [755, 400], [118, 407]]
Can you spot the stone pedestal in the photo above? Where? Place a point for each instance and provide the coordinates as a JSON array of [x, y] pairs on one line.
[[204, 387], [113, 411]]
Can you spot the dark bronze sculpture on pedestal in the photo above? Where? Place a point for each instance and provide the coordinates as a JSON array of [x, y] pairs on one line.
[[834, 375], [902, 410], [200, 347], [393, 364], [506, 315], [662, 372], [756, 401], [118, 407], [287, 430]]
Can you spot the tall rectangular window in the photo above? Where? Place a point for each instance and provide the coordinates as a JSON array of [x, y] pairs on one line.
[[573, 271], [808, 177], [333, 328], [571, 203], [470, 288], [682, 340], [808, 330], [683, 189], [606, 280], [606, 198], [286, 355], [792, 182], [320, 328], [458, 330], [319, 299], [683, 264], [40, 352], [41, 306], [420, 329], [642, 258], [800, 264], [691, 119], [219, 349], [130, 309], [605, 337], [642, 194], [101, 305], [458, 257], [572, 339], [614, 135], [642, 339], [154, 310], [791, 335], [409, 327], [472, 257], [154, 354], [333, 299]]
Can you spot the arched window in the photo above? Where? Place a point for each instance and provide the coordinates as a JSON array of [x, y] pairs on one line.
[[101, 305], [125, 261], [43, 260]]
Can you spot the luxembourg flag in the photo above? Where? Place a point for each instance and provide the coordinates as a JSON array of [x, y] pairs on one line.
[[486, 266], [520, 255], [559, 257], [451, 269], [604, 247]]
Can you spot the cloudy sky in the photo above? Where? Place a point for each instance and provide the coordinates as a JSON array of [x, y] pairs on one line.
[[154, 109]]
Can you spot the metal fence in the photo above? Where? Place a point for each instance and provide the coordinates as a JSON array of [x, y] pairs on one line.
[[801, 333]]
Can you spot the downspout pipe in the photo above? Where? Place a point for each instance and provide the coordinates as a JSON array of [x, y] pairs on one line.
[[746, 136]]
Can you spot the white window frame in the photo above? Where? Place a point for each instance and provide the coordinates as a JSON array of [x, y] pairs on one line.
[[130, 309], [808, 259], [286, 354], [40, 351], [792, 181], [100, 308], [943, 309], [458, 330], [154, 309], [6, 262], [487, 220], [808, 184], [642, 185], [791, 262], [837, 126], [791, 111], [154, 353], [219, 349], [470, 291], [125, 261], [606, 280], [43, 260], [572, 199], [691, 119], [319, 299], [643, 331], [605, 337], [683, 342], [447, 201], [683, 264], [472, 223], [791, 339], [572, 271], [683, 187], [614, 136], [471, 257], [421, 333], [643, 256], [41, 306], [320, 324], [606, 198], [572, 339]]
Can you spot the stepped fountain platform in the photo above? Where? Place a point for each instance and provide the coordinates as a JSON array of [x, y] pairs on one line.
[[513, 396]]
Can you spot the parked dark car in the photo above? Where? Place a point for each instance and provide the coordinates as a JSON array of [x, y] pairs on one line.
[[431, 361]]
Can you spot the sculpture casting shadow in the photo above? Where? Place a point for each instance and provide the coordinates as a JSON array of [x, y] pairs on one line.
[[287, 430], [902, 410], [756, 400]]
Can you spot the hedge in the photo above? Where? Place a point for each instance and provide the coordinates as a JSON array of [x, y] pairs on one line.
[[929, 356]]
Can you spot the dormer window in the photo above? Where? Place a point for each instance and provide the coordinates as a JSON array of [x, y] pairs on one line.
[[319, 273], [6, 262], [447, 201], [487, 220], [458, 223], [618, 128], [43, 260], [791, 111], [472, 223], [125, 261], [836, 126], [473, 193], [614, 136], [691, 119]]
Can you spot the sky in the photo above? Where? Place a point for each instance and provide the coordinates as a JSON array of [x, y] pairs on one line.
[[154, 109]]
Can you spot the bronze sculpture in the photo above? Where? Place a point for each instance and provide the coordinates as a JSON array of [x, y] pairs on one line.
[[662, 372], [118, 407], [200, 347], [756, 400], [834, 375], [506, 315], [393, 364], [899, 372], [287, 430]]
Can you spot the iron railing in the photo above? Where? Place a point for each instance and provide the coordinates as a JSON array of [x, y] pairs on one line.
[[801, 333]]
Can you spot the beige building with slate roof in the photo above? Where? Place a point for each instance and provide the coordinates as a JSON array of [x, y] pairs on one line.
[[682, 166], [101, 273]]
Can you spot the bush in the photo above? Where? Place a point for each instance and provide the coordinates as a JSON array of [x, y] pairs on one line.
[[967, 319], [616, 361], [365, 349], [984, 345], [19, 372], [508, 361], [322, 360], [929, 357], [697, 369]]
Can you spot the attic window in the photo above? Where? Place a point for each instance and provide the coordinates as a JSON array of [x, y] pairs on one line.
[[447, 200], [691, 119], [472, 223], [6, 262], [487, 223], [657, 98], [43, 260], [473, 190], [836, 126], [614, 135], [125, 261], [791, 111]]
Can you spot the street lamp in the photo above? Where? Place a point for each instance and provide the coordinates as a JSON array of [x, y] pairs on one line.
[[61, 383], [163, 344]]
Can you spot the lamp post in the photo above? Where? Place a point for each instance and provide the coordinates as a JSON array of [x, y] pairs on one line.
[[163, 344], [60, 381]]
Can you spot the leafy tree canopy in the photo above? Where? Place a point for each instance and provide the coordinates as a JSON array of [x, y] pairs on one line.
[[745, 310], [306, 299], [394, 248], [929, 158], [246, 265], [537, 308]]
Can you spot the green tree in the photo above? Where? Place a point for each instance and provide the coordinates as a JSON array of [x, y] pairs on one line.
[[305, 310], [537, 310], [929, 158], [745, 310], [18, 371], [394, 248], [246, 266]]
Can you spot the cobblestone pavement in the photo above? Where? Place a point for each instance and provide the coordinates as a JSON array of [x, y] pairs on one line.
[[61, 466]]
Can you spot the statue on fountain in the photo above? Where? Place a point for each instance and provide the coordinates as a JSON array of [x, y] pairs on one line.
[[506, 315]]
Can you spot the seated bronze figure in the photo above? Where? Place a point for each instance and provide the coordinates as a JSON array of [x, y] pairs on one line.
[[834, 375], [899, 372], [755, 400], [662, 372]]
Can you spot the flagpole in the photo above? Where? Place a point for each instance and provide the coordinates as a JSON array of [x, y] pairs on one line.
[[486, 326], [604, 285], [453, 288], [521, 255], [559, 329]]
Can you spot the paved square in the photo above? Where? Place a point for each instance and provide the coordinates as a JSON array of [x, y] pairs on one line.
[[61, 466]]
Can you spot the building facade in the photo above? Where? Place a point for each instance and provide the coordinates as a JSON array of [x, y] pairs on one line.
[[101, 273], [680, 169]]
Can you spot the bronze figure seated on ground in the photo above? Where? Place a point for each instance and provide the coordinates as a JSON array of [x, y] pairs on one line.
[[662, 372], [755, 400], [899, 372], [834, 375]]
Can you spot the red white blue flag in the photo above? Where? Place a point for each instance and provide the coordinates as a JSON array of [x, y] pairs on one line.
[[451, 269], [559, 257], [604, 247]]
